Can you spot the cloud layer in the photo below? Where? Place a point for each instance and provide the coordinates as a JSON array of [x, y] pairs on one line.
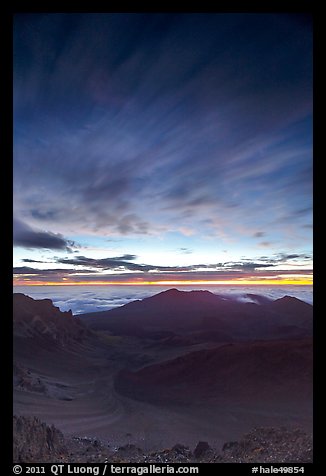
[[122, 269], [81, 300], [173, 131], [166, 126]]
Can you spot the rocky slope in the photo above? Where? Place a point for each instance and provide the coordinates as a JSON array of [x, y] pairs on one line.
[[43, 336], [104, 386], [41, 320], [34, 441]]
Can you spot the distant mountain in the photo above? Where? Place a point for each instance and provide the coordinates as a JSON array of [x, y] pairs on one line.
[[259, 372], [202, 313], [292, 305], [44, 323], [203, 365]]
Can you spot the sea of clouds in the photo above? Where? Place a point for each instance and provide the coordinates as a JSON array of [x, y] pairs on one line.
[[84, 299]]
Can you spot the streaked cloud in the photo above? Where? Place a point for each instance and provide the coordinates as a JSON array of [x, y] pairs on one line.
[[117, 269], [157, 132]]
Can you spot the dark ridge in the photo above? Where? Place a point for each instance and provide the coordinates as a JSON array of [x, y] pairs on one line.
[[241, 372], [45, 323], [206, 314]]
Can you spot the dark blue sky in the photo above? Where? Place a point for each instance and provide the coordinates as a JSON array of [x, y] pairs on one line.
[[180, 141]]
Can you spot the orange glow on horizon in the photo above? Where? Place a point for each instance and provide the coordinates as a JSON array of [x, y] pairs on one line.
[[244, 282]]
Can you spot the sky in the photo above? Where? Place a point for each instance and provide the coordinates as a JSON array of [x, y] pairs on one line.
[[162, 148]]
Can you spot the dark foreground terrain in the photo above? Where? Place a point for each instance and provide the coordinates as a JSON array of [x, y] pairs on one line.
[[169, 371], [34, 441]]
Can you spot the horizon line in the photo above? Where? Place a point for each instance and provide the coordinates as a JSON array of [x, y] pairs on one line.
[[267, 282]]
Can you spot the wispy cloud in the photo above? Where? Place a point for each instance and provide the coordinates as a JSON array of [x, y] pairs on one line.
[[122, 268], [56, 272], [184, 138], [162, 132]]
